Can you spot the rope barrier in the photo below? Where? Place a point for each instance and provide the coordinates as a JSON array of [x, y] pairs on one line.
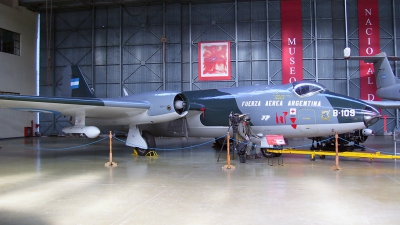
[[52, 149], [371, 149], [180, 148], [171, 149]]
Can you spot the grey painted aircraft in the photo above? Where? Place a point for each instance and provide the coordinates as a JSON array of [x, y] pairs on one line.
[[387, 84], [298, 109]]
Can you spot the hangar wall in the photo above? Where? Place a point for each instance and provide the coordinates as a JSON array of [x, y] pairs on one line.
[[18, 73], [154, 47]]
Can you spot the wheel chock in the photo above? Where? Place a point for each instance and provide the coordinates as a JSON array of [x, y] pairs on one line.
[[135, 152], [152, 154]]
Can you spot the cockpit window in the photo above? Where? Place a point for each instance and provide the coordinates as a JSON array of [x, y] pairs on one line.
[[307, 89]]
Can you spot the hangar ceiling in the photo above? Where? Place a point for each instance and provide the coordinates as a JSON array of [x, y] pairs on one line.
[[41, 5]]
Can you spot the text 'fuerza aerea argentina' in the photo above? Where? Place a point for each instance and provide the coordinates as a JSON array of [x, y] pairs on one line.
[[281, 103]]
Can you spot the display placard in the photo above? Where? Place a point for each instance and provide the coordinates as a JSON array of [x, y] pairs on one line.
[[275, 139]]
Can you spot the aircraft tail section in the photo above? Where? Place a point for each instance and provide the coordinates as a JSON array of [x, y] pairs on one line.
[[75, 84], [384, 75], [388, 85]]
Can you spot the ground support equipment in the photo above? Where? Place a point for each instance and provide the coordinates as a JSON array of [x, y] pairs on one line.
[[371, 156]]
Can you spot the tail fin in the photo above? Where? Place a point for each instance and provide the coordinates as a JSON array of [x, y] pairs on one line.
[[75, 84], [387, 83], [384, 75]]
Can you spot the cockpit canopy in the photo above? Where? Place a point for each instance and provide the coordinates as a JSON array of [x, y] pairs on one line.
[[307, 89]]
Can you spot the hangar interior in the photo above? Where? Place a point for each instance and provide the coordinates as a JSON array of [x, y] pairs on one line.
[[139, 46], [135, 46]]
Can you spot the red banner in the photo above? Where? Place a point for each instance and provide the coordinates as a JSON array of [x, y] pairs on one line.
[[292, 41], [368, 34]]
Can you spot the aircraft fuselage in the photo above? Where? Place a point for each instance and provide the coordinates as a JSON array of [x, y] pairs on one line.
[[273, 110]]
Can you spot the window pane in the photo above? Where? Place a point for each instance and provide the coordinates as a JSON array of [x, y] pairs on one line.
[[9, 42]]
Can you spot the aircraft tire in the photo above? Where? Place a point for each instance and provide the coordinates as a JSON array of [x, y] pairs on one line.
[[151, 143], [267, 154]]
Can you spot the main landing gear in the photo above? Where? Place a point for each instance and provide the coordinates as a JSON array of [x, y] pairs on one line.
[[329, 145], [151, 144]]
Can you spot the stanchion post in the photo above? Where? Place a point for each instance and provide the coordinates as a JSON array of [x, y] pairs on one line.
[[394, 141], [228, 155], [336, 167], [384, 123], [110, 163], [110, 136]]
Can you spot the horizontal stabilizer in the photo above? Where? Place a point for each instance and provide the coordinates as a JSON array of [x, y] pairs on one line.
[[385, 104]]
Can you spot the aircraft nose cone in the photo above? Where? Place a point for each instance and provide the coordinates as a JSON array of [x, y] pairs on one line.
[[371, 116]]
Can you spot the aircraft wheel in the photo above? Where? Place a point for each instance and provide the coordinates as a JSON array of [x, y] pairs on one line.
[[322, 157], [267, 154], [312, 158], [151, 143]]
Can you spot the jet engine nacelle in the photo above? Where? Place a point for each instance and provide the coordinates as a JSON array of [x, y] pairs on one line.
[[367, 132], [358, 136], [164, 103], [89, 131]]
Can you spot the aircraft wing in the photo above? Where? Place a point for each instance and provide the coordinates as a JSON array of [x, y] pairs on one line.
[[93, 108], [384, 104], [150, 107], [138, 109]]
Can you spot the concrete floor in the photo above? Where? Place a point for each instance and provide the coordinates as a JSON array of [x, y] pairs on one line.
[[57, 185]]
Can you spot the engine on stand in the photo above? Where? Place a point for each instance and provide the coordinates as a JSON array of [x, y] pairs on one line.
[[347, 141]]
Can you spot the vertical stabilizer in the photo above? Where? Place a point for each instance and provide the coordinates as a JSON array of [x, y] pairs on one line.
[[75, 84], [384, 75], [387, 84]]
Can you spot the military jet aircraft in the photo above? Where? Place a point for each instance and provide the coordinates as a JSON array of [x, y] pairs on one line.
[[298, 109], [388, 85]]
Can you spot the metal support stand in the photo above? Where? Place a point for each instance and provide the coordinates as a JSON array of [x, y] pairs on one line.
[[228, 155], [233, 122], [111, 163], [270, 164], [336, 166], [395, 140], [272, 160]]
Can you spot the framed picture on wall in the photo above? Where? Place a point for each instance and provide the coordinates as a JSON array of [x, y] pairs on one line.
[[214, 61]]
